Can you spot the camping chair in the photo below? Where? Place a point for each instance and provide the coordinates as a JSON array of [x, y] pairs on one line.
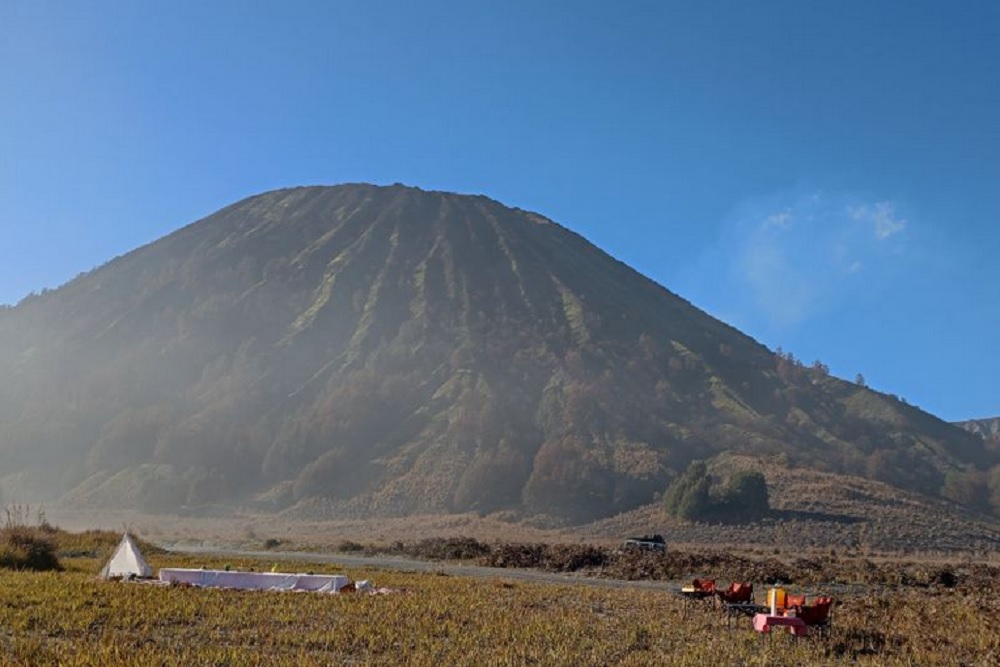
[[737, 602], [699, 589], [816, 615], [739, 592], [703, 585], [793, 601]]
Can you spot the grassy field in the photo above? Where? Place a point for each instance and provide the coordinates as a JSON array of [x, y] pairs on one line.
[[68, 618]]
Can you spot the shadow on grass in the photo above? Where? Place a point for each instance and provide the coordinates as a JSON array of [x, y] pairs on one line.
[[854, 643]]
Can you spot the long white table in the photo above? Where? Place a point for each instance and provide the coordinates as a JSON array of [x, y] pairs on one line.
[[257, 581]]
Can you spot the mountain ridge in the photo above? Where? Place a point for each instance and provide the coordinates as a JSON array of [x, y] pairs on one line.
[[359, 349], [987, 428]]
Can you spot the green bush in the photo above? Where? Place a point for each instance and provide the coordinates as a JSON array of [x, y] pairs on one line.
[[690, 497], [745, 497]]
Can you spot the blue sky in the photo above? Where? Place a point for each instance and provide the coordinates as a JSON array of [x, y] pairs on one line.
[[822, 175]]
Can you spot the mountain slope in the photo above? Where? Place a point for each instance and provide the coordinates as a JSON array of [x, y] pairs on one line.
[[989, 429], [357, 349]]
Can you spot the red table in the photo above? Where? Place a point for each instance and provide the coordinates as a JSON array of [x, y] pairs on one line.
[[764, 623]]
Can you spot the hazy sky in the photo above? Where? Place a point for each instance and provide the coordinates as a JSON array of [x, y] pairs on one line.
[[823, 175]]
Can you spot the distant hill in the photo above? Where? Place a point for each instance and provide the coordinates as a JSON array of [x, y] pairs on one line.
[[989, 429], [819, 510], [360, 350]]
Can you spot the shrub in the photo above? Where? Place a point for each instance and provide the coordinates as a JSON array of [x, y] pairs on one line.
[[690, 497], [515, 555], [571, 557], [26, 547], [348, 546], [745, 497], [448, 548]]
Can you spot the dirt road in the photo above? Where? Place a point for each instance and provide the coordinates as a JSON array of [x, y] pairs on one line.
[[414, 565]]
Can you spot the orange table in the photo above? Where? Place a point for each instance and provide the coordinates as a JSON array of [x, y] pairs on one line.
[[764, 623]]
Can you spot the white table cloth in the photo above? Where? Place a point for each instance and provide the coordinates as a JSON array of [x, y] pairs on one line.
[[266, 581]]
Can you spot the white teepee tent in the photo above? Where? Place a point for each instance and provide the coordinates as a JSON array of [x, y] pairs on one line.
[[127, 561]]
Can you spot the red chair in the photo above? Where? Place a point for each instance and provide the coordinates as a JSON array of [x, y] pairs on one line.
[[739, 592], [700, 589], [816, 615], [793, 601], [704, 585]]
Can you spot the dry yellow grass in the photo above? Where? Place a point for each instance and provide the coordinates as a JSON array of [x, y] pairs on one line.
[[70, 619]]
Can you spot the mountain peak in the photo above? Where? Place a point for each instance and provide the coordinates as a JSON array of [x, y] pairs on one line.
[[360, 349]]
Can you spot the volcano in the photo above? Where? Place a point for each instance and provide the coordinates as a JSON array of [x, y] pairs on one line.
[[359, 350]]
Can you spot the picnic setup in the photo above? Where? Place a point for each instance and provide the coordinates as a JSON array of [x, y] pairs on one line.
[[799, 614]]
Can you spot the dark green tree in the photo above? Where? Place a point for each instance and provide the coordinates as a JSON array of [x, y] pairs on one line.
[[745, 497], [688, 497]]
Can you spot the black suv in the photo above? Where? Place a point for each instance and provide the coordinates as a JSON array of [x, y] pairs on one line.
[[646, 543]]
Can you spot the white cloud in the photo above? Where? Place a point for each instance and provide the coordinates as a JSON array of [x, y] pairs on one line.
[[792, 258], [782, 220], [881, 215]]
